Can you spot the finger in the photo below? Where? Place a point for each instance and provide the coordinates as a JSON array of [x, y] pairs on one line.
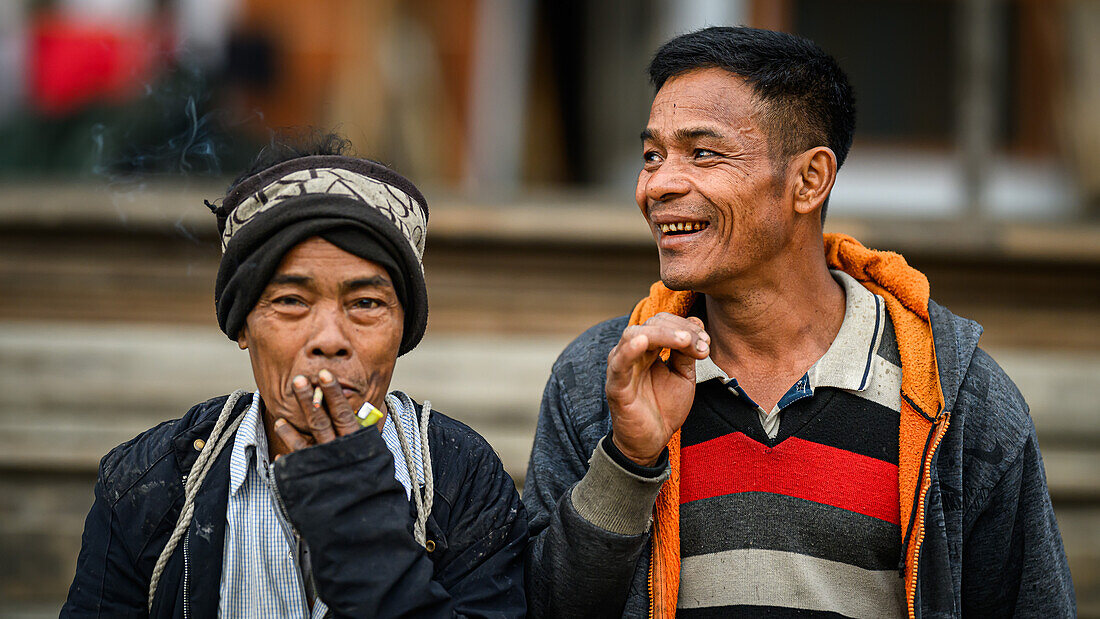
[[319, 424], [303, 394], [627, 360], [339, 409], [692, 324], [683, 365], [699, 346], [290, 437], [676, 337]]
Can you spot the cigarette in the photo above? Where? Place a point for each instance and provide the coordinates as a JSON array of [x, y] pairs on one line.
[[317, 397]]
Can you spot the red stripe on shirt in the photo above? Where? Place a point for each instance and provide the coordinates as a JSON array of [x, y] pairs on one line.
[[799, 468]]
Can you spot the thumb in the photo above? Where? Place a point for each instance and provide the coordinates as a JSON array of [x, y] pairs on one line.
[[682, 365]]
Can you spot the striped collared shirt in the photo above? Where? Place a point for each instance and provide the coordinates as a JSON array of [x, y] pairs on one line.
[[795, 511], [850, 363], [263, 556]]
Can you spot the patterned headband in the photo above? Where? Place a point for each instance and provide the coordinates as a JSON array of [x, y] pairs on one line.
[[406, 213]]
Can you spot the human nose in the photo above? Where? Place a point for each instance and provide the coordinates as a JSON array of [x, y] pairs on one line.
[[329, 338], [666, 182]]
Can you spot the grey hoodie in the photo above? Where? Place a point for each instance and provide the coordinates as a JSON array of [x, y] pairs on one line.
[[991, 546]]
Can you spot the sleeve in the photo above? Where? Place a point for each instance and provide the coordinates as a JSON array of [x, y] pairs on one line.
[[589, 519], [106, 582], [343, 500], [1013, 560], [485, 533]]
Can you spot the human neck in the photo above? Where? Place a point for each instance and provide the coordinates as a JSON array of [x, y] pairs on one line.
[[777, 321]]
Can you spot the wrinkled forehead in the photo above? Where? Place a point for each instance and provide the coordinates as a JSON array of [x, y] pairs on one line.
[[324, 263], [709, 95]]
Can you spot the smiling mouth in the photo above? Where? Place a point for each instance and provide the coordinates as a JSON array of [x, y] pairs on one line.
[[682, 227]]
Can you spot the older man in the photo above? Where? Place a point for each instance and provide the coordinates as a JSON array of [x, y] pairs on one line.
[[320, 494], [785, 426]]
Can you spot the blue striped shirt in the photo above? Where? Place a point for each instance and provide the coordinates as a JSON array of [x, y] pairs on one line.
[[261, 573]]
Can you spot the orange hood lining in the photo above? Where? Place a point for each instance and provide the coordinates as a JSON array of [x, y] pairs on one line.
[[906, 292]]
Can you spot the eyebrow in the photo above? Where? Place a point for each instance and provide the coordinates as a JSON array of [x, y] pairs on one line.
[[300, 280], [685, 134], [375, 281]]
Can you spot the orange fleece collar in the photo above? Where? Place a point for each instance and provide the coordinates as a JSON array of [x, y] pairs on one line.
[[923, 420]]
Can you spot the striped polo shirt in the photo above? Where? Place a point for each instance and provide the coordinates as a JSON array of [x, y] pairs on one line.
[[794, 511]]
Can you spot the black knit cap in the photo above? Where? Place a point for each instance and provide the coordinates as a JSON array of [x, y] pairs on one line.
[[360, 206]]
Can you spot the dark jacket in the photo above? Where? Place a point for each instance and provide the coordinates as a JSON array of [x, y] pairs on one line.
[[342, 499], [991, 547]]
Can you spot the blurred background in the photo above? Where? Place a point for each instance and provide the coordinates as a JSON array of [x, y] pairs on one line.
[[977, 155]]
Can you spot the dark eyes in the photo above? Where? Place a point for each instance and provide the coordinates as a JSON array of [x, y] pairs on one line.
[[296, 302], [652, 156], [288, 301]]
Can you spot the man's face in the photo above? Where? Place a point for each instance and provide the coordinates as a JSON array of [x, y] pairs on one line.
[[323, 309], [707, 174]]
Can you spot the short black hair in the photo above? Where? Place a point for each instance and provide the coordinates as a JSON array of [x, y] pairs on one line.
[[292, 144], [806, 98], [285, 145]]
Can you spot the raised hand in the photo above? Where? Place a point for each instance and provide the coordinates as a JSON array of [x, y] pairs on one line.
[[650, 398], [329, 418]]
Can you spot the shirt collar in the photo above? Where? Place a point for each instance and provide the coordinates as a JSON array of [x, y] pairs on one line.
[[249, 441], [705, 370], [848, 362]]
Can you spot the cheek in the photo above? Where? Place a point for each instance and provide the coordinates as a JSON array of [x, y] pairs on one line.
[[273, 351]]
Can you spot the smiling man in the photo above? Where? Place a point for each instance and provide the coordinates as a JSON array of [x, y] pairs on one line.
[[322, 493], [787, 425]]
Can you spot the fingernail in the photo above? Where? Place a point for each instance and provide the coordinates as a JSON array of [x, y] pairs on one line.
[[325, 376], [703, 335], [701, 346], [318, 395], [300, 382], [682, 335], [280, 422]]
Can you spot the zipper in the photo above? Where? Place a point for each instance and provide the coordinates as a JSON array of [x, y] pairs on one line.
[[926, 478], [652, 599], [186, 560]]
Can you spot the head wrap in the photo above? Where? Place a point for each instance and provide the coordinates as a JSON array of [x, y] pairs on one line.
[[360, 206]]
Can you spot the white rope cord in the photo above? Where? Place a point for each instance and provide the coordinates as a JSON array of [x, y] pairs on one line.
[[423, 501], [214, 445]]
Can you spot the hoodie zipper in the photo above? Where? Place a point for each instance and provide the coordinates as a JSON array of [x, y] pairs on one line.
[[652, 600], [186, 574], [938, 431], [186, 562]]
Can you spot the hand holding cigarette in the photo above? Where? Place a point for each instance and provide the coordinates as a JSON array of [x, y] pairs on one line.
[[328, 412]]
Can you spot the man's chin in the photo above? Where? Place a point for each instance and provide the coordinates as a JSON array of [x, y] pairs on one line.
[[678, 280]]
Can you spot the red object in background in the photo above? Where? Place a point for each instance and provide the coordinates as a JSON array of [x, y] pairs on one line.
[[73, 63]]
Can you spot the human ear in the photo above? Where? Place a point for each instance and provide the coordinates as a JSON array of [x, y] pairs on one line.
[[816, 174], [242, 338]]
